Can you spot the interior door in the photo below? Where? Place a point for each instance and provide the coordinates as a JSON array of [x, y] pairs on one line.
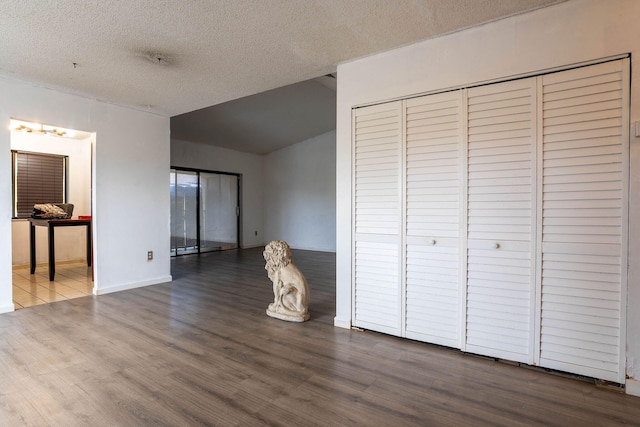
[[501, 220], [377, 217], [584, 214], [435, 217]]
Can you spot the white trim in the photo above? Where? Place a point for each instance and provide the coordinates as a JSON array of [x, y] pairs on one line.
[[536, 248], [259, 245], [7, 308], [342, 323], [352, 211], [624, 232], [133, 285], [301, 248], [500, 79], [632, 387]]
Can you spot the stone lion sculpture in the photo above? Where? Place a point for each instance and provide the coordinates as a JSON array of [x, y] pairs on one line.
[[290, 288]]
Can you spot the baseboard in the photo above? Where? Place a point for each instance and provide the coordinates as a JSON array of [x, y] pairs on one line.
[[342, 323], [45, 264], [7, 308], [134, 285], [258, 245], [296, 248], [632, 387], [304, 248]]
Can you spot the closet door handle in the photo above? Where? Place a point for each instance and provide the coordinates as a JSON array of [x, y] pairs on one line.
[[432, 242], [496, 245]]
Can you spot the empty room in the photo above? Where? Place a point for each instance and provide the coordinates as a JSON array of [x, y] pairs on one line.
[[383, 212]]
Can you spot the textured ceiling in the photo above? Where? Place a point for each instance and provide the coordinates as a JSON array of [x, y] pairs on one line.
[[211, 52]]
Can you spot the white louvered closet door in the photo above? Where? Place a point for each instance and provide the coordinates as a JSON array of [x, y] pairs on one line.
[[584, 214], [501, 234], [377, 137], [434, 141]]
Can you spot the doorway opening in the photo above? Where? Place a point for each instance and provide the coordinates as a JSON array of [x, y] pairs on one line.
[[51, 165], [205, 211]]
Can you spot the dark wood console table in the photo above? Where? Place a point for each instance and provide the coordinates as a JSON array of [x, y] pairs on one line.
[[51, 225]]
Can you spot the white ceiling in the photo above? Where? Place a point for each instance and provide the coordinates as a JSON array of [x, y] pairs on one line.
[[215, 51]]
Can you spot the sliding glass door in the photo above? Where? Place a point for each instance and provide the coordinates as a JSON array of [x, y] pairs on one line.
[[184, 209], [218, 211], [204, 211]]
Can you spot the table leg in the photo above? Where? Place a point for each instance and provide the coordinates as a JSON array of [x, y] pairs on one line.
[[32, 246], [52, 253], [89, 254]]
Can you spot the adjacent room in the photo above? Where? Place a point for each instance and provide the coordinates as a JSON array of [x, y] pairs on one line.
[[456, 180], [53, 165]]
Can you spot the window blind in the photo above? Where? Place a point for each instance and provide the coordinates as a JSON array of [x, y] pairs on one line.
[[37, 178]]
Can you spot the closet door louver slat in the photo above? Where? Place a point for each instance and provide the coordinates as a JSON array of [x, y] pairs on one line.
[[583, 205], [500, 270], [377, 217], [434, 134]]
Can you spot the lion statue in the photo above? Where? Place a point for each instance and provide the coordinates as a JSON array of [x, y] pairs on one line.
[[290, 288]]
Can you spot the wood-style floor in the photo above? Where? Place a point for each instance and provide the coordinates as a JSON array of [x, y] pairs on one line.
[[201, 351]]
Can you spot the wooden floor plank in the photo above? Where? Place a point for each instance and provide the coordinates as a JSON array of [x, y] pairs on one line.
[[202, 351]]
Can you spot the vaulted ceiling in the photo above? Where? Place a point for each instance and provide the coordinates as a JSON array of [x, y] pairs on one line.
[[177, 56]]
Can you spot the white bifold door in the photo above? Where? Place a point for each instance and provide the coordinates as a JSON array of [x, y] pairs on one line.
[[494, 219], [377, 194], [434, 218], [584, 212], [501, 217]]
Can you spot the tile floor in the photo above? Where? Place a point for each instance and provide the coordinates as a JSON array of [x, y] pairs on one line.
[[73, 280]]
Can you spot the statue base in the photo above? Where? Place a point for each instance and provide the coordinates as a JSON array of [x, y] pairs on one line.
[[288, 317]]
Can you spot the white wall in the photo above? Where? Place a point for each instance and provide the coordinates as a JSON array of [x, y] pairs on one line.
[[79, 193], [130, 207], [299, 194], [206, 157], [569, 33]]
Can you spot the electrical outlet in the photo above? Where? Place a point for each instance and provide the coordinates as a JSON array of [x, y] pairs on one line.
[[149, 255]]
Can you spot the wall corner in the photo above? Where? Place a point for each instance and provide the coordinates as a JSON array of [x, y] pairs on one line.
[[341, 323]]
